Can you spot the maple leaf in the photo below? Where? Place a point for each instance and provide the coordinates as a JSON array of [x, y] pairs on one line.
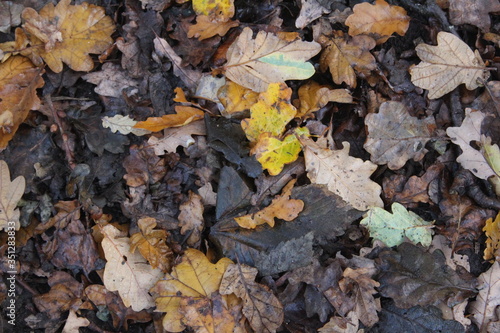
[[282, 207], [126, 272], [345, 57], [381, 19], [67, 34], [346, 176], [124, 125], [206, 27], [262, 309], [492, 231], [314, 96], [393, 228], [447, 65], [184, 115], [488, 298], [394, 136], [271, 113], [255, 63], [474, 12], [10, 194], [194, 277]]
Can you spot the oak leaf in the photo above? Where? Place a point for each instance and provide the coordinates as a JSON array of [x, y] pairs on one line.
[[126, 272], [123, 124], [206, 27], [393, 228], [314, 96], [394, 136], [346, 176], [492, 231], [262, 309], [475, 12], [347, 57], [67, 34], [381, 19], [447, 65], [193, 277], [183, 116], [310, 10], [488, 299], [236, 98], [177, 136], [10, 194], [73, 323], [282, 207], [191, 219], [255, 63], [224, 8]]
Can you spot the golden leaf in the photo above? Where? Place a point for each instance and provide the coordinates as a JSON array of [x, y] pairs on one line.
[[313, 97], [184, 115], [236, 98], [205, 27], [492, 230]]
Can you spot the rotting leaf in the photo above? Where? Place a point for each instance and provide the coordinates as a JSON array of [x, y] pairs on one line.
[[475, 12], [183, 116], [255, 63], [447, 65], [10, 194]]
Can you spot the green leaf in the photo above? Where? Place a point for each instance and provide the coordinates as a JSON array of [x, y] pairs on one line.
[[392, 228]]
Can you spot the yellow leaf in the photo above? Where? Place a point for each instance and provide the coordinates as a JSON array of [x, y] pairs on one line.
[[221, 8], [313, 97], [68, 34], [19, 79], [10, 194], [271, 113], [492, 230], [236, 98], [381, 19], [282, 207], [194, 276], [447, 65], [208, 315], [205, 27], [273, 153], [346, 57], [184, 115], [255, 63]]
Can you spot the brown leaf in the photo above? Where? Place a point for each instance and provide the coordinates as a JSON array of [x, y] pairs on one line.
[[67, 211], [310, 10], [475, 12], [191, 219], [183, 116], [177, 136], [206, 28], [10, 194], [313, 97], [417, 188], [143, 167], [488, 299]]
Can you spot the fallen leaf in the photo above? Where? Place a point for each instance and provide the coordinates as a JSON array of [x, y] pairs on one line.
[[183, 116], [394, 136], [205, 27], [191, 219], [143, 166], [447, 65], [313, 97], [381, 19], [346, 176], [177, 136], [488, 299], [491, 153], [223, 8], [193, 277], [282, 207], [346, 57], [126, 272], [262, 309], [67, 34], [492, 231], [10, 15], [417, 188], [393, 228], [310, 10], [271, 113], [347, 324], [10, 194], [255, 63], [473, 12], [236, 98], [124, 125], [111, 80], [73, 323]]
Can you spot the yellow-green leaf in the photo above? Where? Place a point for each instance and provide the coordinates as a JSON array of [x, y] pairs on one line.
[[223, 8]]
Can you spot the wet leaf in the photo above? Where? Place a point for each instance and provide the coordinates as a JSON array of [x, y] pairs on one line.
[[10, 194], [183, 116], [488, 299]]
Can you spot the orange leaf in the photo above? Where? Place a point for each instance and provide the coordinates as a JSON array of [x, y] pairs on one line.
[[236, 98], [205, 27], [184, 116], [313, 97]]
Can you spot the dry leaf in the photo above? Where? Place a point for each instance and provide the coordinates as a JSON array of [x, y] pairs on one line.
[[394, 136], [10, 15], [282, 207], [488, 299], [124, 125], [346, 176], [236, 98], [191, 219], [10, 194], [111, 80], [381, 19], [126, 272], [347, 324], [475, 12], [262, 309], [313, 97], [310, 10], [177, 136], [255, 63], [221, 8], [73, 323], [205, 27], [345, 57], [67, 33], [492, 231], [194, 277], [183, 116], [447, 65]]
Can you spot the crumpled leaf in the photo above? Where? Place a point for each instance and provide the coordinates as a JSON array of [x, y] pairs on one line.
[[281, 207], [310, 10], [475, 12], [236, 98], [124, 125], [126, 272], [492, 231], [206, 27], [394, 136], [381, 19], [193, 277], [10, 194], [67, 34], [271, 113], [347, 324], [411, 276], [347, 176], [346, 57], [262, 309], [255, 63], [393, 228], [184, 115], [447, 65], [470, 131], [488, 299], [314, 96]]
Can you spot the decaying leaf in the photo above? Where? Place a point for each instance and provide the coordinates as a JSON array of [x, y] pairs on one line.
[[447, 65], [123, 124], [10, 15], [191, 219], [236, 98], [126, 272], [111, 80], [313, 97], [193, 277], [492, 231], [393, 228], [262, 309], [394, 136], [347, 176], [10, 194], [67, 34], [347, 324], [346, 57], [475, 12], [310, 10], [282, 207], [255, 63], [381, 19], [488, 299], [184, 115]]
